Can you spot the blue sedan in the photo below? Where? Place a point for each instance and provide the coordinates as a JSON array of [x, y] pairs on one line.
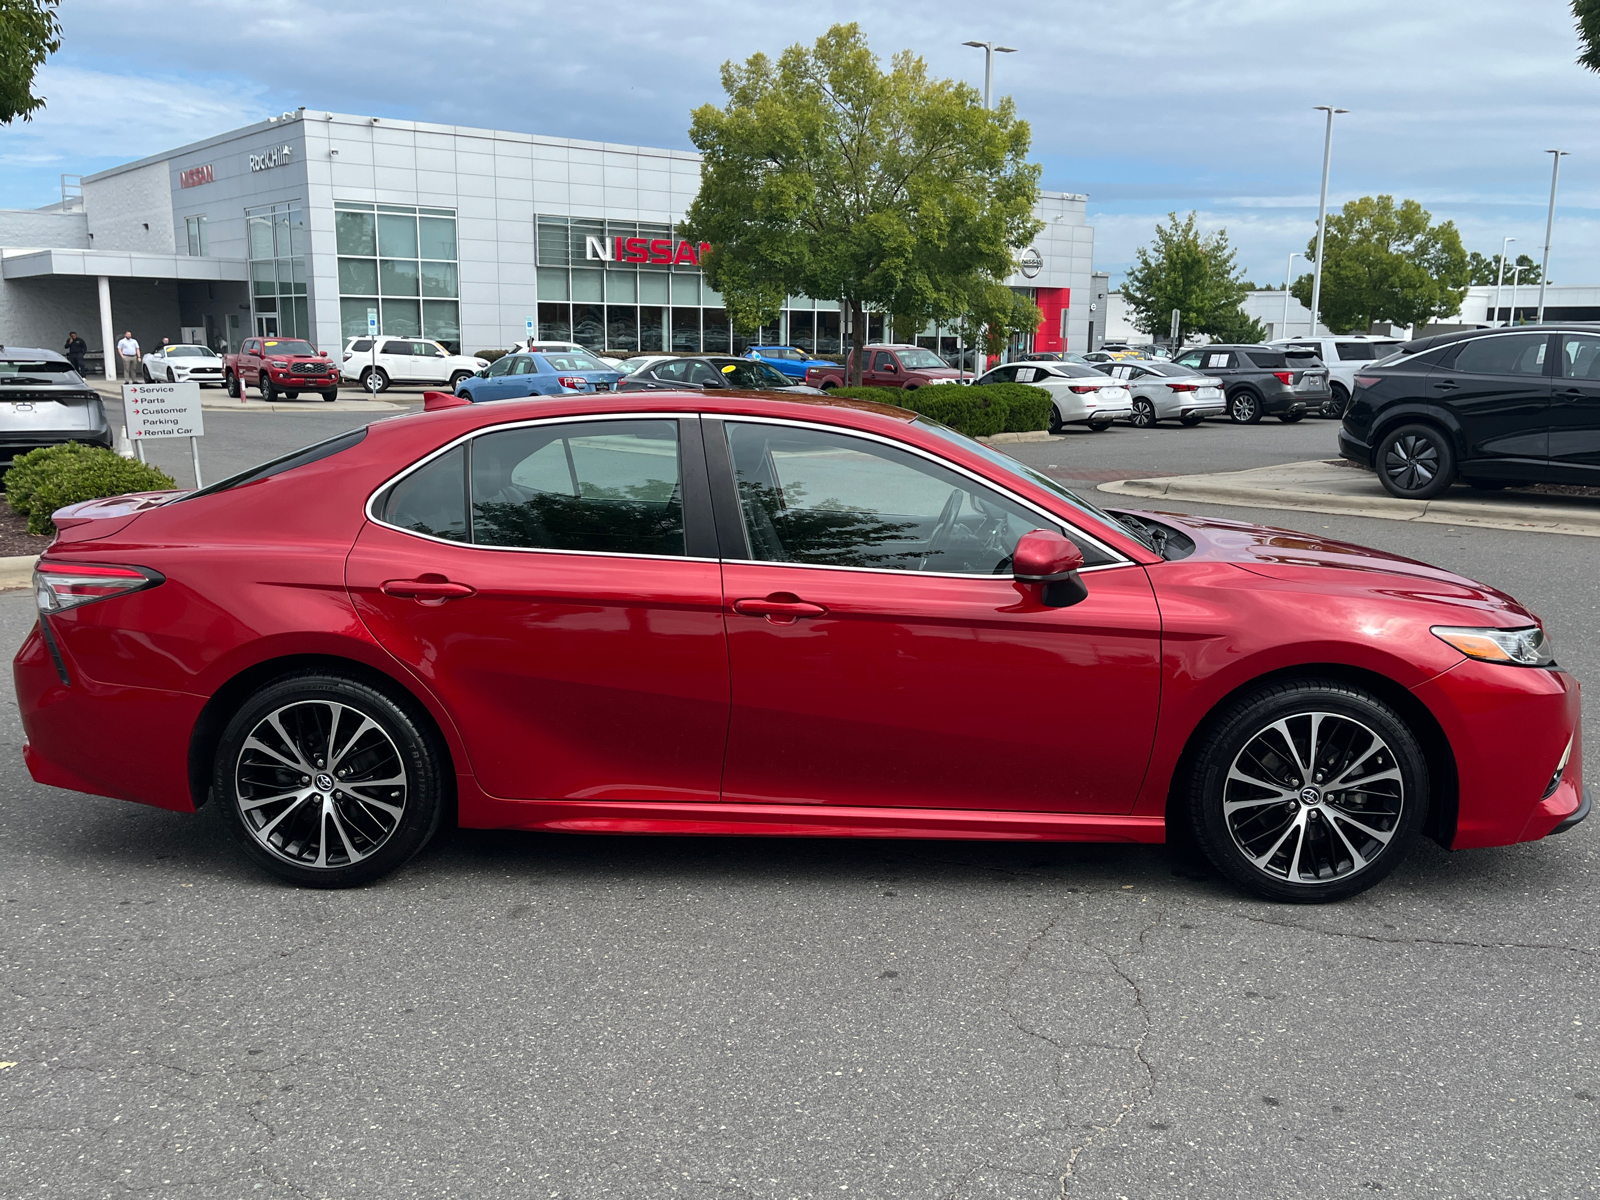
[[788, 359], [554, 373]]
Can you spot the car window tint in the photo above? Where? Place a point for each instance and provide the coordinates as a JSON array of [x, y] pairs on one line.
[[596, 487], [524, 365], [1356, 351], [672, 372], [819, 498], [1007, 374], [500, 366], [883, 361], [360, 344], [1580, 356], [756, 375], [1508, 354], [701, 374], [1194, 359], [392, 347], [1267, 360], [574, 360], [433, 500]]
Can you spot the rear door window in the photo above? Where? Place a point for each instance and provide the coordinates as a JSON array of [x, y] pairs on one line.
[[1505, 354], [1580, 356], [1216, 360], [393, 347], [1356, 351], [501, 365]]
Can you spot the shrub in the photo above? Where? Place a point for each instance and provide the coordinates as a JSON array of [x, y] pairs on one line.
[[42, 481], [975, 411], [489, 355]]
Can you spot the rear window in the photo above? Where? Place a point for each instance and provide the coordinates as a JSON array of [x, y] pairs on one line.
[[1356, 351], [1267, 360], [36, 371], [288, 462], [574, 360]]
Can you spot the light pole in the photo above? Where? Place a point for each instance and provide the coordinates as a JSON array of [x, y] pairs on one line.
[[1322, 213], [989, 51], [1550, 224], [1288, 273], [1500, 279], [1516, 276]]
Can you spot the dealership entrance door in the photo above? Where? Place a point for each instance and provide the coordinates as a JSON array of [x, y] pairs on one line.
[[266, 325]]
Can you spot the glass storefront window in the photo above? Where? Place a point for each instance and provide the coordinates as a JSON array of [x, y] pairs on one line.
[[553, 284], [555, 323], [439, 279], [827, 331], [622, 327], [441, 321], [397, 236], [355, 233], [803, 331], [650, 328], [588, 285], [403, 318], [717, 337], [686, 331], [589, 325], [686, 289], [621, 286], [437, 236], [653, 289], [402, 254], [358, 277], [353, 316], [397, 277]]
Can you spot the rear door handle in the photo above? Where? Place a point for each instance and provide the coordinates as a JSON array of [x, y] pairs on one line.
[[427, 587], [1571, 394], [779, 606]]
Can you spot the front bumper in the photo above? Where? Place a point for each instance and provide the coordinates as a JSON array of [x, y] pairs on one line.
[[1584, 807]]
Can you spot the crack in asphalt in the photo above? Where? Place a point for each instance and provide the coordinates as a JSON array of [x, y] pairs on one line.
[[1423, 941]]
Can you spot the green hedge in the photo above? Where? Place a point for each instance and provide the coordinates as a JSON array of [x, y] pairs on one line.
[[42, 481], [490, 355], [975, 411]]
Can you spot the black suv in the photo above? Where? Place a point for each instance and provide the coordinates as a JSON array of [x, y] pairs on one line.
[[1493, 408], [1262, 380]]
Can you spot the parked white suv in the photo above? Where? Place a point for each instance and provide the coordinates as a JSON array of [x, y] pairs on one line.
[[405, 360], [1343, 356]]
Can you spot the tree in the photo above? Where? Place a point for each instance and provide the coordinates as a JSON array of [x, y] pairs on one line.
[[1387, 263], [1588, 14], [1195, 275], [30, 32], [826, 176], [1485, 272]]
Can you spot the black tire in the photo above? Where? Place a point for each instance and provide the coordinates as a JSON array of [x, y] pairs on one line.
[[356, 836], [144, 370], [1055, 425], [1289, 418], [829, 386], [331, 394], [269, 390], [1285, 824], [375, 380], [1415, 462], [467, 396], [291, 395], [1144, 414], [171, 378], [1100, 426], [1190, 422], [1334, 405], [455, 380], [230, 383], [1244, 407]]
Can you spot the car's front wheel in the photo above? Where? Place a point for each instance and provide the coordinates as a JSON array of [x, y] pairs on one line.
[[1416, 462], [1244, 408], [1308, 791], [328, 781], [1144, 414], [269, 390], [1334, 405], [1191, 421], [232, 386], [171, 378], [1056, 426], [331, 394]]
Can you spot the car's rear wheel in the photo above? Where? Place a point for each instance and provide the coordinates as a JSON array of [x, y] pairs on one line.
[[1100, 426], [1244, 408], [1416, 462], [1308, 791], [455, 380], [1334, 405], [1144, 414], [328, 781], [1191, 421], [375, 380], [1293, 415]]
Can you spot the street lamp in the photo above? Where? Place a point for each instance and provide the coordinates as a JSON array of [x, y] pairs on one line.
[[1288, 273], [1500, 279], [989, 51], [1550, 224], [1322, 213], [1516, 277]]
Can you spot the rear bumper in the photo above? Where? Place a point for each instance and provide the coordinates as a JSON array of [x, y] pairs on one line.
[[1354, 449], [15, 444]]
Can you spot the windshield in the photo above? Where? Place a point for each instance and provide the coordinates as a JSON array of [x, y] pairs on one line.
[[278, 346], [1022, 470], [574, 360], [36, 371], [755, 375], [920, 360], [188, 352]]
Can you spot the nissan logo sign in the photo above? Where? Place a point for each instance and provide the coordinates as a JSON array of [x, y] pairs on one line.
[[1030, 262]]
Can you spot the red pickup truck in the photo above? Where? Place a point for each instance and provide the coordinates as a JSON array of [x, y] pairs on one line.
[[887, 366], [280, 367]]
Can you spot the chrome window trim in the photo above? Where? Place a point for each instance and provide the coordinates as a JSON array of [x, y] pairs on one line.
[[370, 509], [1061, 524]]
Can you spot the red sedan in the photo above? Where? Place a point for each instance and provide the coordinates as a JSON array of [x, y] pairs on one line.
[[726, 613]]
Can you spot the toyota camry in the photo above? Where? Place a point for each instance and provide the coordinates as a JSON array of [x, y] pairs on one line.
[[732, 614]]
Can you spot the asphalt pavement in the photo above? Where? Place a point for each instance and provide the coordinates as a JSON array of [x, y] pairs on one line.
[[530, 1015]]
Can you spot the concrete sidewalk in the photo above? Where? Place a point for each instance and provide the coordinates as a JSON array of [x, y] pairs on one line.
[[216, 399], [1330, 487]]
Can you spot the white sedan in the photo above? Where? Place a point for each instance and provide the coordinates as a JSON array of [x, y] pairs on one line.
[[183, 363], [1081, 395]]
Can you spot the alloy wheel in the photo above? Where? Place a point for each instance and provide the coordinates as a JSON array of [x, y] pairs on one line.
[[1244, 408], [1412, 462], [320, 784], [1313, 797], [1144, 414]]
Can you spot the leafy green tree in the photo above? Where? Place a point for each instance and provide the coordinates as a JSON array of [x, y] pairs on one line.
[[826, 176], [30, 32], [1588, 14], [1196, 275], [1385, 262], [1485, 272]]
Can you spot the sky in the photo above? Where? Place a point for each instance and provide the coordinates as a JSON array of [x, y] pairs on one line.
[[1148, 106]]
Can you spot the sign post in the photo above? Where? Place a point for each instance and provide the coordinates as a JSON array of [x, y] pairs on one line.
[[372, 334], [162, 410], [528, 324], [1177, 317]]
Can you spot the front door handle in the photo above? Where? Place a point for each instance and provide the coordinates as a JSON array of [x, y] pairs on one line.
[[1570, 394], [779, 607], [427, 587], [1447, 386]]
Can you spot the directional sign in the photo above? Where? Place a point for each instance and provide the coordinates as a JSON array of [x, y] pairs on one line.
[[372, 322], [529, 324], [158, 410]]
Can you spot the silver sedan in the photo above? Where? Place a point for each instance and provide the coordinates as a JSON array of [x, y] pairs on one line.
[[1081, 394], [1165, 391]]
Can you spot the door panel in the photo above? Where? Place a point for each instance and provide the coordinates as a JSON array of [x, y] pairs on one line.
[[1499, 393], [1575, 407]]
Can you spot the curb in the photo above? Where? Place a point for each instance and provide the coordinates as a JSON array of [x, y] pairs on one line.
[[1002, 439], [16, 571], [303, 406], [1538, 518]]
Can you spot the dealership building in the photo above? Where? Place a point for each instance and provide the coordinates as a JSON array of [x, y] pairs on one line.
[[311, 223]]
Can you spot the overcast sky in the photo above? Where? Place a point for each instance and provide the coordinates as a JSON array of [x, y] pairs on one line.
[[1148, 106]]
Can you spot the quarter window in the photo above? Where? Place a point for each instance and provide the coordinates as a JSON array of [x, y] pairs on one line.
[[1509, 354], [819, 498], [1356, 351], [433, 501]]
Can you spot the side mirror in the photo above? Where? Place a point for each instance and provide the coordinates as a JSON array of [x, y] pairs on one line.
[[1046, 558]]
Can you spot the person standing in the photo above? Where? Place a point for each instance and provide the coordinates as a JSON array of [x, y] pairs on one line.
[[75, 349], [128, 348]]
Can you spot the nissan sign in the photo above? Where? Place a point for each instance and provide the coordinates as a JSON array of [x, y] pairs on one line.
[[1030, 263]]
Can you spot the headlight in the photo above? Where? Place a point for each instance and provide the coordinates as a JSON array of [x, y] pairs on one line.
[[1527, 647]]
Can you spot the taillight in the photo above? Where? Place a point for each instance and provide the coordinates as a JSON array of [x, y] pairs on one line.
[[1285, 377], [575, 382], [1084, 389], [1184, 387], [1368, 380], [59, 586]]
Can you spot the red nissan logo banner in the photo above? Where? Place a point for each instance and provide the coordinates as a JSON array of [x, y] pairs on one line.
[[195, 176], [658, 250]]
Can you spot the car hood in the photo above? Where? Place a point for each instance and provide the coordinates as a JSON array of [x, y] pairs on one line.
[[1293, 557]]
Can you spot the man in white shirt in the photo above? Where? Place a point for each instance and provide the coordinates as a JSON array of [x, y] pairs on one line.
[[129, 350]]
